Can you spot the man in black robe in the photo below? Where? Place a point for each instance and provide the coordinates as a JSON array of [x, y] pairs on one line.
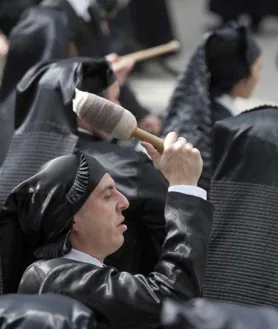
[[69, 217]]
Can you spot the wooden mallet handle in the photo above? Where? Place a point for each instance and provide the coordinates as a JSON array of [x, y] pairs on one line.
[[142, 135], [153, 52]]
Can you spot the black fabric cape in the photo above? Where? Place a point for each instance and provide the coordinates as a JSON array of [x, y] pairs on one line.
[[242, 260], [39, 36], [44, 120], [44, 312], [218, 111], [10, 12], [203, 314], [91, 42], [44, 33]]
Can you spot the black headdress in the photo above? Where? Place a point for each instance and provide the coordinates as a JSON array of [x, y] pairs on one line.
[[189, 113], [38, 215]]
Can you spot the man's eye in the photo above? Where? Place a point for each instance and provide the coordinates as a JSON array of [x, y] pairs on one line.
[[108, 196]]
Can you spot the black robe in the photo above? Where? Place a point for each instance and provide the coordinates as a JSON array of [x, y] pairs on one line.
[[242, 262], [91, 42], [47, 311], [202, 314], [44, 33], [218, 111], [122, 300]]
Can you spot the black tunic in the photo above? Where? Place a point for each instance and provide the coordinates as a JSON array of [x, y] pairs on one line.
[[123, 300], [218, 111], [242, 261], [44, 33]]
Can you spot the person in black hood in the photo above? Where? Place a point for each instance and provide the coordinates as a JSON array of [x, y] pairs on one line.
[[44, 312], [44, 33], [242, 261], [68, 217], [226, 65], [30, 43]]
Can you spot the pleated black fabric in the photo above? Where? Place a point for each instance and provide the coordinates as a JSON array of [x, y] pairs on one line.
[[242, 260]]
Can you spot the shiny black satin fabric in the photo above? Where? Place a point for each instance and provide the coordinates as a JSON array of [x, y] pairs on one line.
[[91, 41], [245, 148], [44, 120], [208, 314], [124, 300], [242, 260], [40, 35], [44, 312], [146, 190], [38, 215], [34, 41]]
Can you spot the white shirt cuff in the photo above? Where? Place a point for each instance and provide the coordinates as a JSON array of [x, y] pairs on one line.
[[190, 190]]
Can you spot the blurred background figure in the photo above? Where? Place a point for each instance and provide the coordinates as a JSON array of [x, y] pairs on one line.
[[225, 66], [255, 9], [10, 12]]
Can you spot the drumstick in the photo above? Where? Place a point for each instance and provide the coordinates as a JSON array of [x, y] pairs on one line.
[[153, 52], [115, 120]]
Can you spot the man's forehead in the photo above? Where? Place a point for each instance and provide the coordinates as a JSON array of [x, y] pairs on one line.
[[105, 183]]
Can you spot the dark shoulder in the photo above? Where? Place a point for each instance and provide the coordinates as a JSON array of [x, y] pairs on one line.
[[219, 112], [38, 272]]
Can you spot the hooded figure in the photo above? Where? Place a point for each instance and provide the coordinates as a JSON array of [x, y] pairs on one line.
[[45, 124], [242, 263], [30, 43], [204, 314], [44, 312], [51, 31], [68, 217], [217, 68], [38, 215]]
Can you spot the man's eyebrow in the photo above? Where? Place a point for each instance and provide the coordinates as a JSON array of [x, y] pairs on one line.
[[108, 187]]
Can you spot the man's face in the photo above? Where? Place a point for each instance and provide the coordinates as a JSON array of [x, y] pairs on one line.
[[99, 223]]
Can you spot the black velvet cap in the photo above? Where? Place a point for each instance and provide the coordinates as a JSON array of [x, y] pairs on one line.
[[230, 52], [38, 215]]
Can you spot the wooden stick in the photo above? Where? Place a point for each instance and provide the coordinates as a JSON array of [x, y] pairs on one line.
[[153, 52], [142, 135]]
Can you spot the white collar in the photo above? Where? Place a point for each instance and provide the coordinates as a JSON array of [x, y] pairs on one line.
[[228, 102], [82, 257], [81, 8]]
